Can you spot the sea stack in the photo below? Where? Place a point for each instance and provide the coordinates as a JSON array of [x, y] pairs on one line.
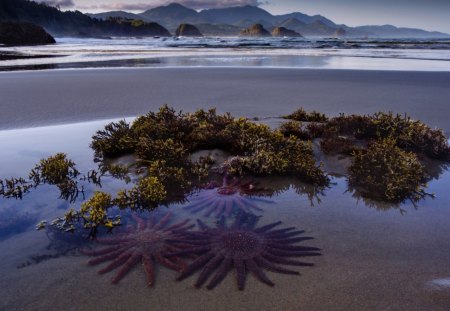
[[256, 30], [340, 32], [284, 32], [23, 33], [187, 30]]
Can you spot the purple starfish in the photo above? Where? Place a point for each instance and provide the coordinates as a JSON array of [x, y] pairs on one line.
[[149, 241], [232, 195], [244, 248]]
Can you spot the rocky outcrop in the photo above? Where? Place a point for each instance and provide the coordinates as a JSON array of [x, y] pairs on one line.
[[284, 32], [22, 33], [187, 30], [340, 32], [256, 30]]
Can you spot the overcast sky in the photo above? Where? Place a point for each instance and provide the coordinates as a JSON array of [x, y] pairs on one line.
[[426, 14]]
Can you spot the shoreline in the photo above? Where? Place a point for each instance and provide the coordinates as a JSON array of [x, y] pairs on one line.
[[57, 97]]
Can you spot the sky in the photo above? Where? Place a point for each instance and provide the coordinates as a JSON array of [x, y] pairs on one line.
[[425, 14]]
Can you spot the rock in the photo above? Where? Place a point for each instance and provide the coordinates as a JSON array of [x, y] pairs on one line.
[[284, 32], [340, 32], [256, 30], [23, 33], [187, 30]]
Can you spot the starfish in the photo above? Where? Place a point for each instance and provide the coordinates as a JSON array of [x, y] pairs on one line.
[[244, 248], [223, 199], [149, 241]]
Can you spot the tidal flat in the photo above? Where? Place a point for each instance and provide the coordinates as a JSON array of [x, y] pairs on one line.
[[374, 255], [30, 99]]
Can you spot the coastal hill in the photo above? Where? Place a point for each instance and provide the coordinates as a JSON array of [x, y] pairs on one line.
[[75, 23], [23, 33], [161, 20], [235, 19]]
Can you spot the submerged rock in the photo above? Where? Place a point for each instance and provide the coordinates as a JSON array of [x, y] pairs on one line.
[[284, 32], [187, 30], [256, 30], [23, 33]]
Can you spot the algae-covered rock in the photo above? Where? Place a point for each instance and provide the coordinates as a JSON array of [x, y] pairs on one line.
[[187, 30], [22, 33]]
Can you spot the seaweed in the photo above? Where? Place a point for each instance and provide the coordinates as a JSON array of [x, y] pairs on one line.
[[301, 115], [386, 172]]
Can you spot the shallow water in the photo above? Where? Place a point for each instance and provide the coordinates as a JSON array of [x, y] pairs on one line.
[[373, 256], [402, 54]]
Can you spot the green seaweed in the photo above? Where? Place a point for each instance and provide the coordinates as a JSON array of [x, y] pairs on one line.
[[386, 172]]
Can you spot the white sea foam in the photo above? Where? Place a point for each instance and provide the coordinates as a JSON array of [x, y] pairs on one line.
[[292, 53]]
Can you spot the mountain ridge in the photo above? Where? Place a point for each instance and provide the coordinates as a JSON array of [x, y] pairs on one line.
[[244, 16], [159, 21]]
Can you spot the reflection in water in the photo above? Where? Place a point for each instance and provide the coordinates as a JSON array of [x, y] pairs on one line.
[[231, 196], [61, 244], [148, 241], [14, 222], [434, 170], [244, 247]]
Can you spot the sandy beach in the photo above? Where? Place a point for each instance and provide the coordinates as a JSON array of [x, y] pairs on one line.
[[30, 99], [373, 257]]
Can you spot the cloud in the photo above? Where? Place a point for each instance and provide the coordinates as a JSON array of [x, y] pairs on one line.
[[193, 4], [60, 3]]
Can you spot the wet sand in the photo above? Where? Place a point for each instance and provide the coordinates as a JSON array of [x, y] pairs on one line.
[[372, 259], [38, 98]]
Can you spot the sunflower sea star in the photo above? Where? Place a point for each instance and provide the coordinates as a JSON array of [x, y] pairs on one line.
[[244, 248], [223, 199], [149, 241]]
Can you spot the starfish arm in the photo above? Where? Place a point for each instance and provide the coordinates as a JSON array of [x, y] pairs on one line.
[[202, 225], [222, 223], [180, 263], [186, 241], [268, 227], [204, 198], [148, 267], [289, 241], [284, 261], [293, 248], [106, 257], [201, 206], [220, 208], [241, 273], [290, 235], [141, 223], [272, 267], [212, 208], [221, 273], [163, 222], [116, 263], [242, 205], [274, 233], [247, 202], [127, 266], [179, 226], [195, 265], [228, 208], [208, 270], [258, 272], [166, 262], [283, 253]]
